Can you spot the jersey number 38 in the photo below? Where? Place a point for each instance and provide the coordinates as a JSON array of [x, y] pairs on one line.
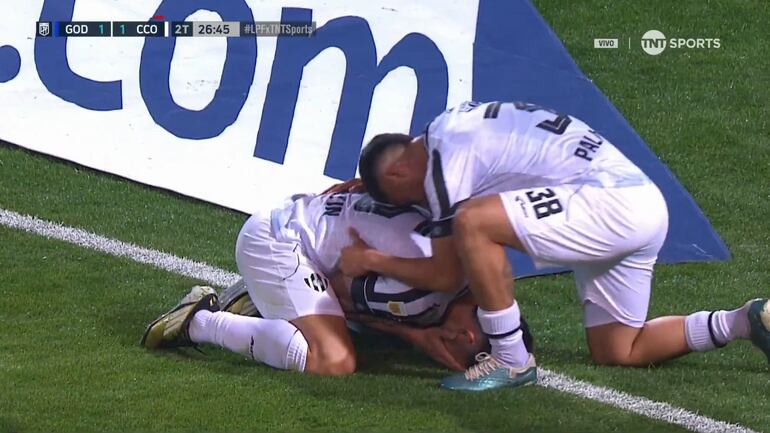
[[544, 202]]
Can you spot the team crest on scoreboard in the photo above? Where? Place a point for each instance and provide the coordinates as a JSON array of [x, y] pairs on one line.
[[44, 29]]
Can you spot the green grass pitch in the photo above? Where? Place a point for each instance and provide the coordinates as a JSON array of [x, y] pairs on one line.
[[71, 319]]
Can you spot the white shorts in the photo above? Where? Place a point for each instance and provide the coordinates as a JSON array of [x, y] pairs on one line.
[[609, 237], [282, 282]]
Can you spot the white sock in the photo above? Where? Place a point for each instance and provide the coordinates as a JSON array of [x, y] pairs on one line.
[[731, 325], [696, 332], [508, 348], [277, 343], [707, 330]]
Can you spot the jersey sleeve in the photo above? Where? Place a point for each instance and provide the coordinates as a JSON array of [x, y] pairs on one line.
[[451, 175]]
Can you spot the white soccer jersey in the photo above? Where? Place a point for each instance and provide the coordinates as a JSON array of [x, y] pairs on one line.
[[321, 223], [479, 149]]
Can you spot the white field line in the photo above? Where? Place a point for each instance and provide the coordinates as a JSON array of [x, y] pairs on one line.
[[222, 278], [168, 262]]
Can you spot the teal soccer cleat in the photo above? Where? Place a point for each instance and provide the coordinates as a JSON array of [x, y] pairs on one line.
[[490, 373], [759, 319]]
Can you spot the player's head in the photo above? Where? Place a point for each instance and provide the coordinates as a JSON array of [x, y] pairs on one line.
[[461, 332], [464, 339], [393, 167], [463, 336]]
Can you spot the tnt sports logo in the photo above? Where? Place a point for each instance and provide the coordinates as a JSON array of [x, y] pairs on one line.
[[654, 42]]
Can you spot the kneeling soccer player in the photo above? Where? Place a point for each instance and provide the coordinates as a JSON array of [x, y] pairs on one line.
[[519, 175], [285, 260]]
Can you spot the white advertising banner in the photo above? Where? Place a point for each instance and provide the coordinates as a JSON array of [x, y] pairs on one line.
[[238, 121]]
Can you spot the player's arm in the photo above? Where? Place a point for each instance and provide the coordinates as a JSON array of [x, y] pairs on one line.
[[442, 272], [449, 181], [427, 340]]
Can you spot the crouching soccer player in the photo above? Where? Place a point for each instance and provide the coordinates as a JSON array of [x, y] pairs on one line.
[[285, 259], [450, 334]]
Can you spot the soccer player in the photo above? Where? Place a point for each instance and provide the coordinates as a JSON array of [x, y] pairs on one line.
[[453, 338], [285, 259], [518, 175]]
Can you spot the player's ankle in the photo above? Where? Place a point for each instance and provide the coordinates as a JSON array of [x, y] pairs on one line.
[[199, 326], [514, 356]]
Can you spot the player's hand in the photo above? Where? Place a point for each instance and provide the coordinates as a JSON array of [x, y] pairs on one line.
[[352, 185], [430, 341], [353, 261]]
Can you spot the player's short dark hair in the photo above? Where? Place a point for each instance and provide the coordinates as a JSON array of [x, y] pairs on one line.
[[368, 161]]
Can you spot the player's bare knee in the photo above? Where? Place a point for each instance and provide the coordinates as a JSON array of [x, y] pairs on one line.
[[467, 222], [339, 361], [331, 363], [330, 357], [344, 366]]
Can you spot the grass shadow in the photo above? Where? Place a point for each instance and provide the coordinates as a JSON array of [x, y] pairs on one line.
[[8, 426]]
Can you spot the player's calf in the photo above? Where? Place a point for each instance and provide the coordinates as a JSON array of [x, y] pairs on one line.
[[481, 227], [665, 338], [312, 344], [617, 344]]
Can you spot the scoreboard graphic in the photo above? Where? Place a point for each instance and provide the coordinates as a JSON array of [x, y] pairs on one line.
[[164, 29]]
